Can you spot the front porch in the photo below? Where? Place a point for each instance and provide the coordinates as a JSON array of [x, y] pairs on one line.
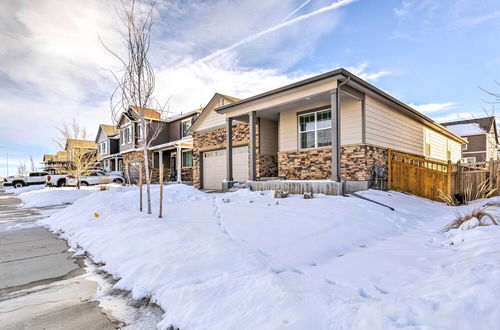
[[112, 163], [298, 145], [176, 157]]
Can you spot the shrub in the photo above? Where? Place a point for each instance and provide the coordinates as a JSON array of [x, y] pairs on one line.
[[308, 195], [472, 218], [281, 194], [484, 190], [103, 187]]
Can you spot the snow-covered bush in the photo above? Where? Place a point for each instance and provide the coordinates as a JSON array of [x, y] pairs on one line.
[[474, 217]]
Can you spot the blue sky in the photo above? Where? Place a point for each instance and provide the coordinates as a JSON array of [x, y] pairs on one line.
[[430, 54]]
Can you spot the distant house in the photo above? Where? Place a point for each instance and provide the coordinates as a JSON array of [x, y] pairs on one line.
[[481, 136], [108, 148], [57, 164], [173, 142], [75, 145], [174, 145], [334, 127]]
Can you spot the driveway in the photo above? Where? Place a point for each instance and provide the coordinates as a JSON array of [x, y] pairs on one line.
[[41, 285]]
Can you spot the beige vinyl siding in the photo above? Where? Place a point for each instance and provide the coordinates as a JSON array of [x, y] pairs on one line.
[[350, 121], [212, 120], [455, 149], [285, 97], [491, 145], [385, 127], [268, 135]]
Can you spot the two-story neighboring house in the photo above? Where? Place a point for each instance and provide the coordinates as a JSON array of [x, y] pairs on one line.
[[108, 148], [131, 137], [481, 136], [174, 147], [56, 164]]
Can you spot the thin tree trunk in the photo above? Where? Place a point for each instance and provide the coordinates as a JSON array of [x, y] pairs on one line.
[[148, 179], [140, 187], [160, 215], [127, 170]]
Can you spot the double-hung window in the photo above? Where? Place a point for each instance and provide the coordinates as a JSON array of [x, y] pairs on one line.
[[186, 125], [187, 158], [315, 129], [126, 135], [102, 147]]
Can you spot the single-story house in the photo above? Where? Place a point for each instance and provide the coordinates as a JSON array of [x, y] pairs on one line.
[[481, 138], [334, 127]]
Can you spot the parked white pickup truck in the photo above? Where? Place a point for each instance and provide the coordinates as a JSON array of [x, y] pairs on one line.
[[28, 179], [95, 177], [56, 180]]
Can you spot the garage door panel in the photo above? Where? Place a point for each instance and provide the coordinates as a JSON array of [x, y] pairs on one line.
[[214, 167]]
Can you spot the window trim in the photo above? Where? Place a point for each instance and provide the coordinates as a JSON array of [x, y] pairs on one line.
[[182, 158], [129, 140], [465, 145], [182, 126], [315, 130]]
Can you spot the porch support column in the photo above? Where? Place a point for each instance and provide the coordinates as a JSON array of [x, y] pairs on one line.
[[335, 103], [179, 164], [252, 145], [229, 149]]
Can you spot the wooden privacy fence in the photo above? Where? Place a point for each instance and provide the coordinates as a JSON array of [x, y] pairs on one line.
[[426, 178], [469, 176], [418, 176]]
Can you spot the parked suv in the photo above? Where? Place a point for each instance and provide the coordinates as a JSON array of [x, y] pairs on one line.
[[28, 179], [95, 177]]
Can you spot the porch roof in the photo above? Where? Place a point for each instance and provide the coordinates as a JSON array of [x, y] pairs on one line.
[[350, 80]]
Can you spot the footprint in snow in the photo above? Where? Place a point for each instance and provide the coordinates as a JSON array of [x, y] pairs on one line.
[[364, 294], [312, 263], [330, 281], [382, 291], [264, 253], [298, 271]]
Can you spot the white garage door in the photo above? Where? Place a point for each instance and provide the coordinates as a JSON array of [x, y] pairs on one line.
[[214, 167]]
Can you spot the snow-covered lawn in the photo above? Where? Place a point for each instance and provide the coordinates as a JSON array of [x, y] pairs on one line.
[[245, 260]]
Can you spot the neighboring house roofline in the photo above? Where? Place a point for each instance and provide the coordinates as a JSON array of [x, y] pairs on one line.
[[487, 123], [108, 130], [205, 110], [184, 115], [353, 80]]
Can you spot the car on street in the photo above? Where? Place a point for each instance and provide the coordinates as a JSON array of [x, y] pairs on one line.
[[95, 177], [55, 180], [30, 178]]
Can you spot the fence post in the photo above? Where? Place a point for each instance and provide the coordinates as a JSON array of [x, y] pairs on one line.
[[449, 177], [492, 171], [458, 184], [389, 169]]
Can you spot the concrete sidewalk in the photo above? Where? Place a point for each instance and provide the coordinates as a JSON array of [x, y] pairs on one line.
[[41, 285]]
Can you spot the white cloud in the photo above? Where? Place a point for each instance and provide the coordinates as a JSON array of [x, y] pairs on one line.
[[432, 107], [360, 70], [404, 9]]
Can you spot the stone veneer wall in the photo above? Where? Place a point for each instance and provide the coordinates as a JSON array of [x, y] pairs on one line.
[[138, 157], [356, 163], [267, 166]]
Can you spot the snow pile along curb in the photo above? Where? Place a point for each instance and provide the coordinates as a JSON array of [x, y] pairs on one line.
[[245, 260]]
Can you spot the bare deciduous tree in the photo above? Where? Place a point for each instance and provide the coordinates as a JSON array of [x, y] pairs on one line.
[[136, 83], [82, 161], [21, 168], [72, 130], [32, 163]]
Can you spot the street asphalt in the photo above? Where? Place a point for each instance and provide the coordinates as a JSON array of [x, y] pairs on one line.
[[41, 285]]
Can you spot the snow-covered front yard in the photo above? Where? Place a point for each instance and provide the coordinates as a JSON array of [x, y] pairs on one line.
[[245, 260]]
